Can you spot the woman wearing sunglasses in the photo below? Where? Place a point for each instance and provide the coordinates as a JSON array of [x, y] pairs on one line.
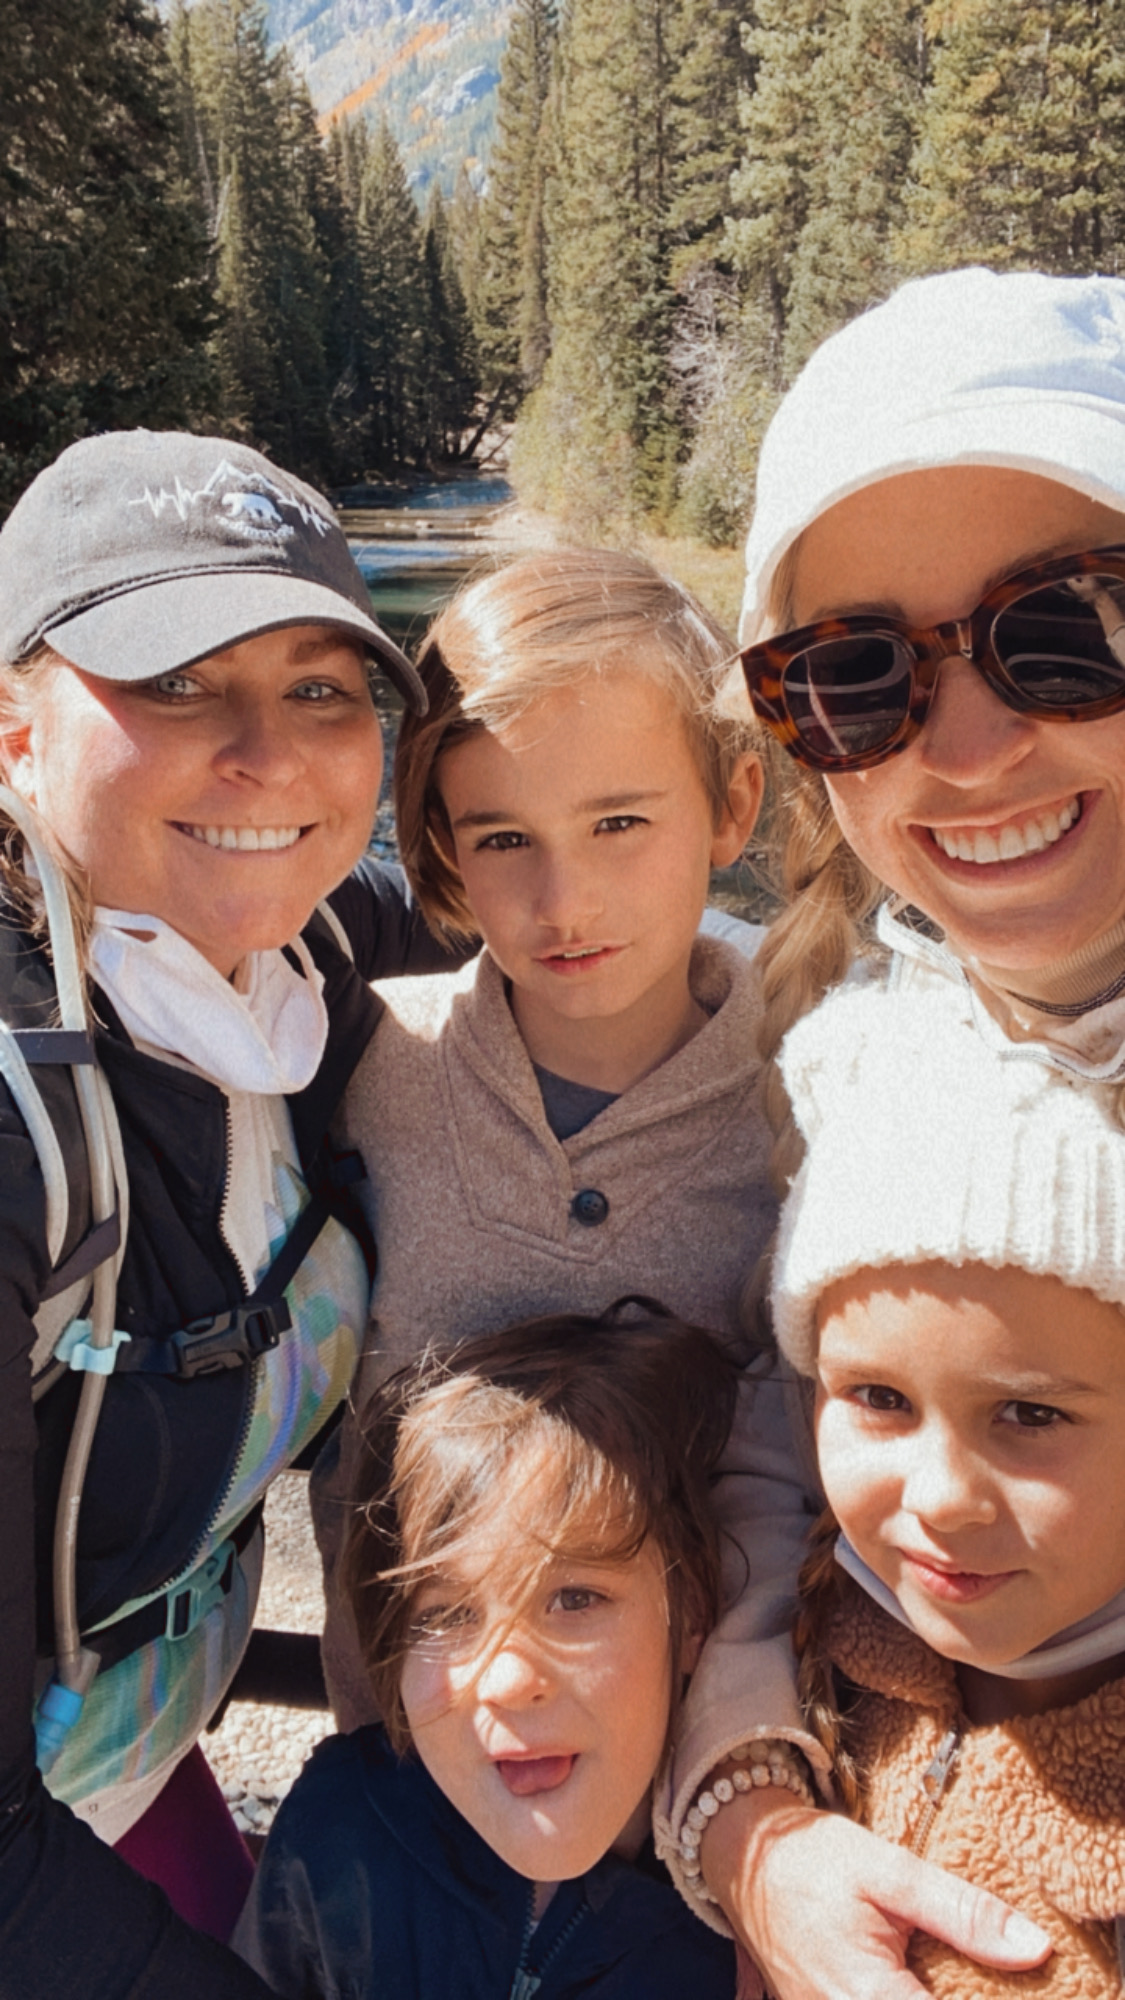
[[934, 629]]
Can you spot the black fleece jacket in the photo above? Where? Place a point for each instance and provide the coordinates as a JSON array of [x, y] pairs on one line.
[[75, 1922]]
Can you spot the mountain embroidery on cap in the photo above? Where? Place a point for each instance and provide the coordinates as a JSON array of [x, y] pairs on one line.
[[249, 503]]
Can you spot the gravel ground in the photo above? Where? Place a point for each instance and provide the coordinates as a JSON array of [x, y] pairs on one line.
[[259, 1749]]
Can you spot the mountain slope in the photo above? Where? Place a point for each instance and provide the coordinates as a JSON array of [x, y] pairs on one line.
[[431, 67]]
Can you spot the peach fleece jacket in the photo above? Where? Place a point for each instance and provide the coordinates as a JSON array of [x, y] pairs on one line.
[[1033, 1808], [470, 1197]]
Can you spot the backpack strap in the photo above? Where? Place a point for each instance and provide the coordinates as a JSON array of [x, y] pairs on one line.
[[334, 927], [59, 1138]]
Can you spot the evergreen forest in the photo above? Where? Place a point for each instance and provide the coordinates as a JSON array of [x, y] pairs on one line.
[[683, 198]]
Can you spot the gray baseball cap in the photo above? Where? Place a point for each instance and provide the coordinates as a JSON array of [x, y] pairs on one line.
[[138, 552]]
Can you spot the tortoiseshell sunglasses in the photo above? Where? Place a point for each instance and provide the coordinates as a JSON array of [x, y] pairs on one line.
[[846, 693]]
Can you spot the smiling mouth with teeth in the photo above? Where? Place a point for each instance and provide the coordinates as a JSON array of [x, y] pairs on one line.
[[245, 839], [1012, 843]]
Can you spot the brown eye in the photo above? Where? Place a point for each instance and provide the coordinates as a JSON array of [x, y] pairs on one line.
[[1033, 1416], [441, 1621], [502, 843], [877, 1396], [577, 1597]]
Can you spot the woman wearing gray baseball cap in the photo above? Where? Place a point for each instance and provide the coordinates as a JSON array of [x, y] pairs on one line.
[[934, 629], [191, 760]]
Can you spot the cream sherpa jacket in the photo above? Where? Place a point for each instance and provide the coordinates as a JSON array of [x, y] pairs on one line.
[[470, 1197], [1033, 1808]]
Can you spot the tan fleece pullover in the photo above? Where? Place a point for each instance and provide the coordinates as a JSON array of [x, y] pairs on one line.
[[1032, 1808], [471, 1198]]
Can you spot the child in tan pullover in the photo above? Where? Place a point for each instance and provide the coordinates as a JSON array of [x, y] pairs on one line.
[[950, 1276], [577, 1114]]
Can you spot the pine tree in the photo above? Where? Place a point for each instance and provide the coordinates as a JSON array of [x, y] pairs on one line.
[[257, 158], [103, 298], [599, 437], [394, 297], [787, 136], [533, 327], [870, 81], [708, 70], [448, 350], [335, 216], [509, 296], [1021, 155]]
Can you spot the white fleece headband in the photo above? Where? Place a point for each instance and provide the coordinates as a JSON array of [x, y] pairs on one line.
[[926, 1145], [968, 368]]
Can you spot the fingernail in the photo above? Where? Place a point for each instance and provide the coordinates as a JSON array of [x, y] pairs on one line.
[[1023, 1935]]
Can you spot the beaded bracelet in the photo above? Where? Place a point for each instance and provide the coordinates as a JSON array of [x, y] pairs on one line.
[[772, 1762]]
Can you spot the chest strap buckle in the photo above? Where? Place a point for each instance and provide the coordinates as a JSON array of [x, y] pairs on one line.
[[211, 1582], [229, 1339]]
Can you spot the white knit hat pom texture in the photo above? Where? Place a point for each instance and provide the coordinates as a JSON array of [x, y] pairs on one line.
[[924, 1145]]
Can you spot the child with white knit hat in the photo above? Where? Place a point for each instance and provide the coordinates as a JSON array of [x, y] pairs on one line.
[[950, 1273]]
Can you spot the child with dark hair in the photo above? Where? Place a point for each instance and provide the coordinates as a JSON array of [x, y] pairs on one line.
[[533, 1567]]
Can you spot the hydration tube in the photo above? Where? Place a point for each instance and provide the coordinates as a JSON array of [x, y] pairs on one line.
[[75, 1665]]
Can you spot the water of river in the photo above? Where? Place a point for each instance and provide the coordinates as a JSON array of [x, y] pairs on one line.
[[414, 548], [415, 545]]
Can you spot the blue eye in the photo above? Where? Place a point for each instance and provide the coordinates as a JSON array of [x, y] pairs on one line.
[[321, 691], [176, 686]]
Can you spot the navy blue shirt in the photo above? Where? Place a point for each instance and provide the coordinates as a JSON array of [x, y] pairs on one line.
[[373, 1887]]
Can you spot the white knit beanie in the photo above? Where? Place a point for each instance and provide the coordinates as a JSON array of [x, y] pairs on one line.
[[926, 1145], [967, 368]]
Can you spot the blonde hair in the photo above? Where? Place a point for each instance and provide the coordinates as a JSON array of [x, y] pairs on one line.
[[22, 689], [828, 895], [627, 1418], [544, 623]]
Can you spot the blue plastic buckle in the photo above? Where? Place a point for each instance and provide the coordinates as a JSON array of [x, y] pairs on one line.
[[194, 1600]]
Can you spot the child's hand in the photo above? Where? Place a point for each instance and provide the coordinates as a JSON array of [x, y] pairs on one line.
[[827, 1908]]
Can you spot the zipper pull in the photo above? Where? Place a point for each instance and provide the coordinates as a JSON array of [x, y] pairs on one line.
[[524, 1985], [936, 1775]]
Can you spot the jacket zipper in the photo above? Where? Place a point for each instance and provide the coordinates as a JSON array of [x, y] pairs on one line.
[[527, 1982], [252, 1367], [191, 1560], [934, 1780]]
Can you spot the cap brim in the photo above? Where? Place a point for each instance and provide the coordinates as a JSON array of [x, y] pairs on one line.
[[162, 625]]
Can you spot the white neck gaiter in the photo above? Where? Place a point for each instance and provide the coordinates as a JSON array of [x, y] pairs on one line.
[[264, 1032], [1098, 1637]]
